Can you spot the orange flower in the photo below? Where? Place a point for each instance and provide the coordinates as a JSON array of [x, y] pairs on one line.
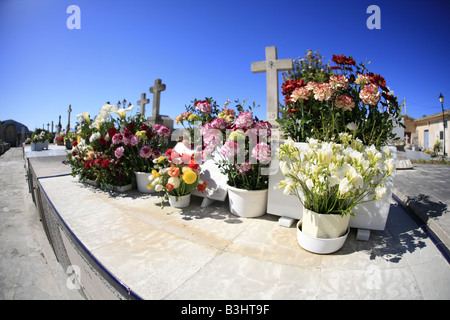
[[174, 172]]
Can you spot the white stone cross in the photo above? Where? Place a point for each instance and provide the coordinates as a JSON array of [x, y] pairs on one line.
[[68, 122], [271, 67], [156, 90], [142, 103]]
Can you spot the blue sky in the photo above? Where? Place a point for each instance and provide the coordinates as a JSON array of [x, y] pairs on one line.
[[205, 49]]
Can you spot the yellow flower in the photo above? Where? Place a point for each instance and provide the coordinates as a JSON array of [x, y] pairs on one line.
[[193, 117], [161, 159], [155, 173], [142, 135], [189, 177]]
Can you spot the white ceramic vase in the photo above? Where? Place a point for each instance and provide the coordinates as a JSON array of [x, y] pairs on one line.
[[142, 182], [324, 226], [180, 201], [247, 203]]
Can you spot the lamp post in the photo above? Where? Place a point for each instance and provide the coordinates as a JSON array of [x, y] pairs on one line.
[[441, 99]]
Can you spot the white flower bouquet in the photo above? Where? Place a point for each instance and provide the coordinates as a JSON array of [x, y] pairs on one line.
[[332, 178]]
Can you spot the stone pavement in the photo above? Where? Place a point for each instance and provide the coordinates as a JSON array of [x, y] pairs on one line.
[[425, 190], [28, 267], [400, 262]]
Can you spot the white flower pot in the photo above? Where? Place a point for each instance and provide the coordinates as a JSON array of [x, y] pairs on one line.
[[142, 182], [324, 225], [124, 188], [33, 146], [247, 203], [319, 245], [39, 146], [180, 201]]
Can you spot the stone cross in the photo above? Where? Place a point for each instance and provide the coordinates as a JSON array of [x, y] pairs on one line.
[[271, 67], [142, 103], [156, 90], [68, 122]]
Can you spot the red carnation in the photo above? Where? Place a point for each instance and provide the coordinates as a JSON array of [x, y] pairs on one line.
[[112, 132], [75, 143], [102, 141], [104, 163], [377, 79]]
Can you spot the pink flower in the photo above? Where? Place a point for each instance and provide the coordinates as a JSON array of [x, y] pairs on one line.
[[323, 91], [117, 138], [119, 152], [229, 149], [203, 106], [302, 93], [261, 131], [261, 152], [244, 120], [370, 94], [156, 154], [161, 130], [134, 140], [344, 102], [243, 168], [212, 140], [219, 123], [204, 129], [145, 152]]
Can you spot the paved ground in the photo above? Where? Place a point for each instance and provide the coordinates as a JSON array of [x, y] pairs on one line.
[[28, 267], [402, 256], [425, 190]]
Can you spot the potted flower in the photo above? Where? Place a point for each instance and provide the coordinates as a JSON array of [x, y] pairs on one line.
[[242, 152], [176, 175], [320, 102], [60, 141], [38, 139], [141, 144], [203, 112], [330, 179]]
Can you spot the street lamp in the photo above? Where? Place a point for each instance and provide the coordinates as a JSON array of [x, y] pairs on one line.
[[441, 99]]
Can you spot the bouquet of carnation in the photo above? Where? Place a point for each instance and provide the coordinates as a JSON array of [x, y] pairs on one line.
[[332, 178], [320, 100], [203, 112], [241, 149], [139, 143], [176, 174]]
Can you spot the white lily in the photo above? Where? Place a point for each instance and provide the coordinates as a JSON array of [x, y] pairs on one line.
[[122, 112], [97, 122], [84, 115], [106, 110]]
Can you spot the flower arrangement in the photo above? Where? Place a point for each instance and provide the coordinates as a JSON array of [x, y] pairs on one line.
[[241, 148], [320, 100], [40, 135], [332, 178], [176, 174], [204, 112], [109, 150]]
